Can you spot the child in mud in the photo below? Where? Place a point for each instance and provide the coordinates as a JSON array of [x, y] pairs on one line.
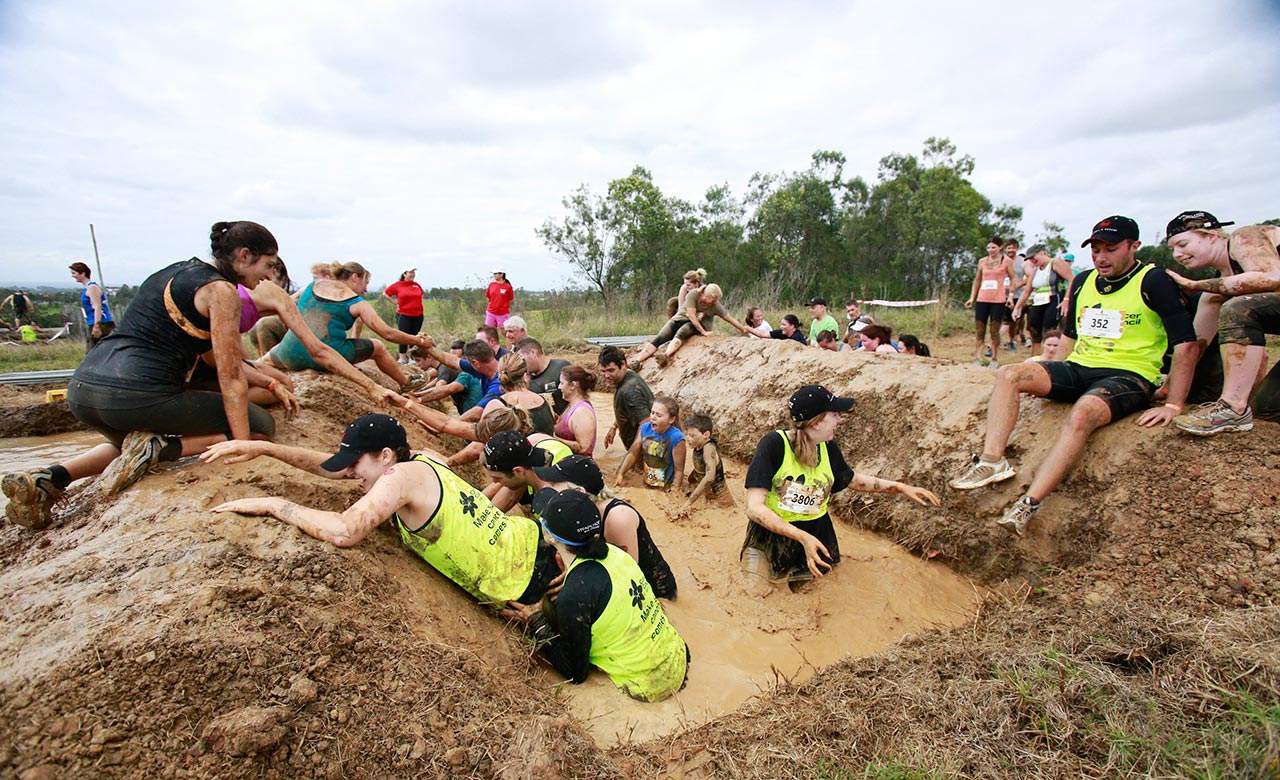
[[497, 558], [789, 484], [624, 526], [659, 448], [606, 614], [706, 471]]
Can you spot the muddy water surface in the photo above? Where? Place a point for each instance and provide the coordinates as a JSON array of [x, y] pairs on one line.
[[743, 645], [27, 453]]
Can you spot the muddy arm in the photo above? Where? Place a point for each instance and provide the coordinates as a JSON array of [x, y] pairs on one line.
[[711, 457], [678, 455], [633, 457]]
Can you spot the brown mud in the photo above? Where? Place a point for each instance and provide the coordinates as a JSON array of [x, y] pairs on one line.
[[27, 414], [148, 636]]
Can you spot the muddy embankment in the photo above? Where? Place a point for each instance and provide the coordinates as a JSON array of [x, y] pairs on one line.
[[149, 636], [27, 414]]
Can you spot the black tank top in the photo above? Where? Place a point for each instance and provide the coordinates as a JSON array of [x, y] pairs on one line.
[[161, 335], [540, 417], [652, 564]]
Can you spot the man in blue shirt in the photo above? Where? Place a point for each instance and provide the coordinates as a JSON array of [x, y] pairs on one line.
[[477, 360]]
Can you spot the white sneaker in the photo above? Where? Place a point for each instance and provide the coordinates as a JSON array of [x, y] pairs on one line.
[[982, 473]]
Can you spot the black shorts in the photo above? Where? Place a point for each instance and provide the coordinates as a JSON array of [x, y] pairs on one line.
[[786, 556], [410, 325], [1040, 319], [984, 311], [545, 569], [1247, 319], [1124, 391], [115, 412]]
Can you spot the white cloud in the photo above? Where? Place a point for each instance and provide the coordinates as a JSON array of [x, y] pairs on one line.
[[441, 134]]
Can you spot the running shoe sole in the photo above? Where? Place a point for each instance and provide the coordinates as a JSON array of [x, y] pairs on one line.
[[29, 506], [139, 451], [1214, 431]]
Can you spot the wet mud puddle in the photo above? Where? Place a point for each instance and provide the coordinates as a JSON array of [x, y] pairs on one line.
[[31, 452], [743, 645]]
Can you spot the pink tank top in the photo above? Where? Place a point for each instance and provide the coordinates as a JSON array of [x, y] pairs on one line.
[[248, 309], [565, 431], [991, 288]]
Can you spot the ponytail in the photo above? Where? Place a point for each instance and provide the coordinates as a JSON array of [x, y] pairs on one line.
[[226, 237]]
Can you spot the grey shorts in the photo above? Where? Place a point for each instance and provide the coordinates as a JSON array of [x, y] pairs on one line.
[[1247, 319]]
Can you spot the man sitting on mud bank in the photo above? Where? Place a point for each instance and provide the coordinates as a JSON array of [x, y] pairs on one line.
[[495, 557], [1121, 319]]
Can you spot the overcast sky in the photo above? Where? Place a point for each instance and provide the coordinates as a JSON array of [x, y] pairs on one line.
[[440, 135]]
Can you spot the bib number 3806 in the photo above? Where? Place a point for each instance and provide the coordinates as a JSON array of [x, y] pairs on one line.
[[1101, 323]]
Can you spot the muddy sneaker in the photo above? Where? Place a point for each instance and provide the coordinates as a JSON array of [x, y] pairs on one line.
[[1018, 515], [633, 364], [982, 473], [31, 495], [139, 453], [1213, 418], [661, 358], [416, 382]]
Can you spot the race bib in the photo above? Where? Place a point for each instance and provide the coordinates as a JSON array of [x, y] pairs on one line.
[[802, 499], [1040, 298], [990, 284], [655, 476], [1101, 323]]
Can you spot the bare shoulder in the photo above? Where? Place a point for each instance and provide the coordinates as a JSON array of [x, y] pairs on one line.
[[1254, 247]]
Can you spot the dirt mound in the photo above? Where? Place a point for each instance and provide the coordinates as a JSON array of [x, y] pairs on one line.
[[39, 419]]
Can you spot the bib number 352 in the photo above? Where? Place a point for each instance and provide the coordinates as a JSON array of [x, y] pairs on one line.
[[1101, 323]]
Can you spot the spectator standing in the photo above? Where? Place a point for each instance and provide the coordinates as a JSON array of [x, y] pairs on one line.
[[500, 295], [821, 319], [407, 294]]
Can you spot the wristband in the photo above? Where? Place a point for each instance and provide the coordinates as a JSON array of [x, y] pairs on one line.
[[1176, 407]]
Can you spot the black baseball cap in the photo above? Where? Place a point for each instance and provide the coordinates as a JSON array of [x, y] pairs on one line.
[[1193, 220], [578, 469], [570, 516], [1113, 230], [507, 449], [812, 400], [817, 300], [370, 433]]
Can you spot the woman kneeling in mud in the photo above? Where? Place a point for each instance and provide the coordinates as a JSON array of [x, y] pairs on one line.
[[789, 484]]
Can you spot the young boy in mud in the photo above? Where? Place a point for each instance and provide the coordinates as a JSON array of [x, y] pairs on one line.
[[632, 398], [1121, 318], [706, 469], [624, 526], [606, 614], [659, 448], [789, 485], [495, 557]]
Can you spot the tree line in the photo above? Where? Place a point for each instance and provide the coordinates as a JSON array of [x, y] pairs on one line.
[[914, 231]]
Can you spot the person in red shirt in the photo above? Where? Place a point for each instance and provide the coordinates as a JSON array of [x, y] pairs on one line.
[[408, 297], [500, 295]]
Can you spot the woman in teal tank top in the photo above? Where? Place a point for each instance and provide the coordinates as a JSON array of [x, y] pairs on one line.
[[330, 307]]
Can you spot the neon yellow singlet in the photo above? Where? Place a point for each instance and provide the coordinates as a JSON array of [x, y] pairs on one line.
[[488, 553], [1119, 330], [800, 492], [632, 640]]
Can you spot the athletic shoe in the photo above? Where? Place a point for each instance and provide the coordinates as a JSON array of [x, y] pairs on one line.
[[1018, 514], [986, 352], [1011, 346], [139, 453], [661, 358], [982, 473], [31, 495], [633, 364], [1213, 418], [416, 382]]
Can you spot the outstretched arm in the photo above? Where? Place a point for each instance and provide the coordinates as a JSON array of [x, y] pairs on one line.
[[868, 484], [364, 311], [341, 529], [298, 457]]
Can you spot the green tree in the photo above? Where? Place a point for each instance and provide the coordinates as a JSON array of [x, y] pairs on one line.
[[1054, 237], [586, 238]]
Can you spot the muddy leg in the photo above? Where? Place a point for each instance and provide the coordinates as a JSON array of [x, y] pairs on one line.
[[1088, 415], [387, 364], [1244, 365], [1002, 409]]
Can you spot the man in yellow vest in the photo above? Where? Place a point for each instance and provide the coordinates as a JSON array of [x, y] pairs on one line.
[[1121, 319], [493, 556], [605, 614]]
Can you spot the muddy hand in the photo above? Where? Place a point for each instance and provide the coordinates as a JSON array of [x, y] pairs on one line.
[[608, 437], [249, 506], [1182, 281], [920, 495], [233, 451], [521, 613], [1159, 416], [816, 556], [554, 587], [288, 401]]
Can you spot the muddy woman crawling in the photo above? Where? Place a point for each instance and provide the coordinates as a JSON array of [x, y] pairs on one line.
[[789, 484]]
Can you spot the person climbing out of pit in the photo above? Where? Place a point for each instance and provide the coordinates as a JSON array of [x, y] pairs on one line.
[[1241, 305], [692, 280], [789, 485], [479, 360], [1122, 317], [495, 557], [606, 614], [706, 468], [132, 387], [659, 449], [544, 372], [624, 526], [510, 459], [1037, 298], [632, 398], [465, 388], [700, 308]]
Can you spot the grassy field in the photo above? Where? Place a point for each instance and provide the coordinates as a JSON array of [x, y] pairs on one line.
[[41, 356]]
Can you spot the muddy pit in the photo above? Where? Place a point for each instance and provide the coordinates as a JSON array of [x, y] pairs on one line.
[[150, 636]]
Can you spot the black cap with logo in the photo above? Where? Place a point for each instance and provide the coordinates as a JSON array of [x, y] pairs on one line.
[[570, 516], [578, 469], [812, 400], [817, 300], [1193, 220], [370, 433], [507, 449], [1113, 230]]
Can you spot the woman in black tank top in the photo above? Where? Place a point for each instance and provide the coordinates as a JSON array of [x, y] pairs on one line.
[[133, 386], [646, 553]]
